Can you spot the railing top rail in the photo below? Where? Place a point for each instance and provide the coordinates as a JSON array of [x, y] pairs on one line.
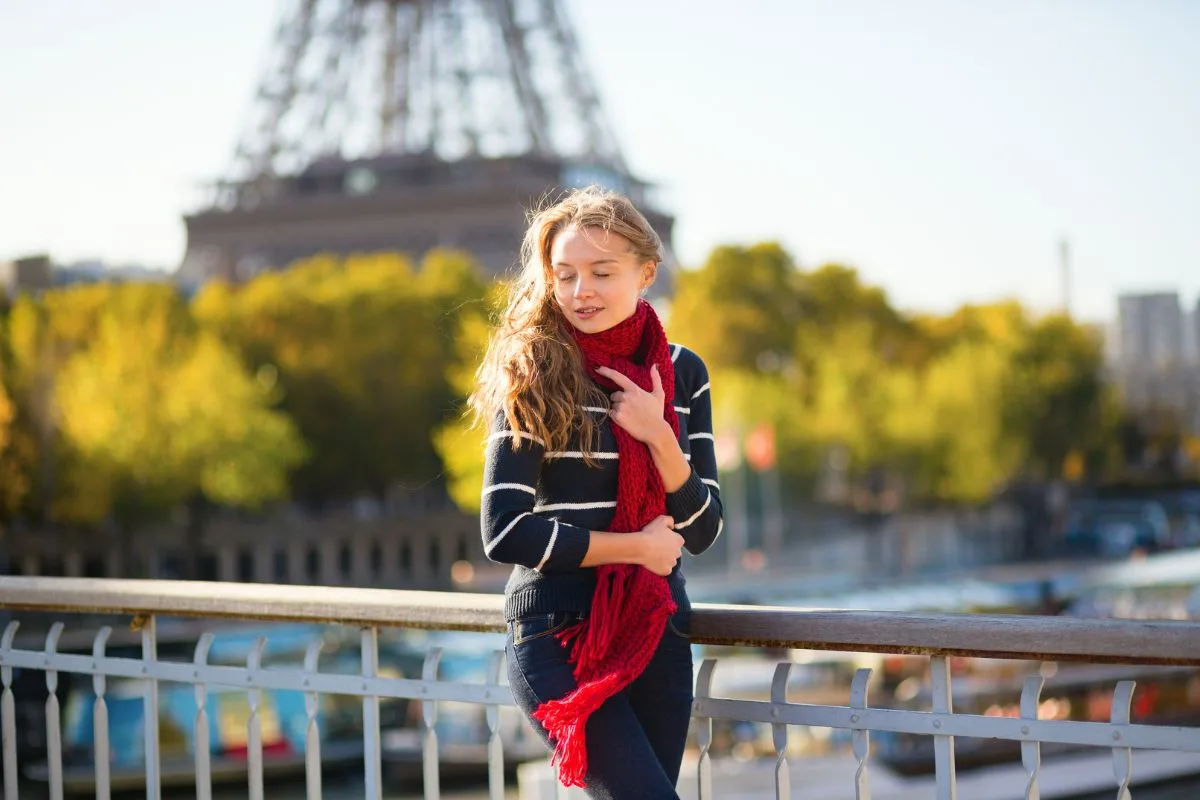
[[996, 636]]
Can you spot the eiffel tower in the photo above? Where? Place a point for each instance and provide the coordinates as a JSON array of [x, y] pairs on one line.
[[407, 125]]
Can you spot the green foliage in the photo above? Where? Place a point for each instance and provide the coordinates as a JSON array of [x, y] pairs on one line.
[[756, 292], [459, 441], [952, 406], [155, 412], [361, 348], [13, 481], [123, 409], [340, 377]]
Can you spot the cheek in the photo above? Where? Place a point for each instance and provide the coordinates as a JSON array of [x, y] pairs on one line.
[[561, 292]]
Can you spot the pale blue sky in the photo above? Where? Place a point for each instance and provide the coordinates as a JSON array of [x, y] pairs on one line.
[[940, 147]]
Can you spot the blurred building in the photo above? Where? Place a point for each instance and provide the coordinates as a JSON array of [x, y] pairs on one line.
[[1151, 329], [30, 274], [1192, 334], [405, 203], [39, 273], [1155, 355], [96, 271]]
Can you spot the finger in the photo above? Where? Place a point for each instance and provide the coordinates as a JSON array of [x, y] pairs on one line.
[[670, 521], [617, 378], [656, 387], [617, 397]]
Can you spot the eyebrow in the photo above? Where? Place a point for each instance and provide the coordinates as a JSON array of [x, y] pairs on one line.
[[592, 263]]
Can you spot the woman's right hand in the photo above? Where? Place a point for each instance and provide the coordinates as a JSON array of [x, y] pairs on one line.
[[661, 545]]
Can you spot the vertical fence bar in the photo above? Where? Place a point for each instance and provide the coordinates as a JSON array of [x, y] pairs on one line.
[[860, 738], [254, 697], [1122, 756], [372, 749], [779, 730], [495, 748], [943, 745], [1031, 750], [704, 731], [149, 627], [8, 714], [312, 730], [203, 748], [429, 740], [54, 762], [100, 751]]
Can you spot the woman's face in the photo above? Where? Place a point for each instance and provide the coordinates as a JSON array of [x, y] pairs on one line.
[[597, 277]]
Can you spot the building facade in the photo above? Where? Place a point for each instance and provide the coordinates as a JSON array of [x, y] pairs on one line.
[[1156, 356]]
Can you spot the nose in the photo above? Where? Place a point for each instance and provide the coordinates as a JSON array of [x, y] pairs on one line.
[[583, 287]]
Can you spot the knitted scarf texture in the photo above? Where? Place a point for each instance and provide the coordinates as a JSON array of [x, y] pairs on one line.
[[631, 605]]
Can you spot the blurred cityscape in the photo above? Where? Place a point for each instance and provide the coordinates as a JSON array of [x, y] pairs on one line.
[[285, 405]]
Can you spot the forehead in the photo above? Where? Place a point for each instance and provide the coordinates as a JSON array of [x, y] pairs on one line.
[[585, 245]]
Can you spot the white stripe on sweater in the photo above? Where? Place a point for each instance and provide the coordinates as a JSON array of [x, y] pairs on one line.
[[579, 454], [549, 548], [682, 410], [675, 352], [596, 409], [522, 487], [701, 391], [510, 434], [695, 516], [492, 544], [572, 506], [708, 436], [711, 483]]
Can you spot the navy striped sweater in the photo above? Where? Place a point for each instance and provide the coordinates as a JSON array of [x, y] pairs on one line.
[[538, 507]]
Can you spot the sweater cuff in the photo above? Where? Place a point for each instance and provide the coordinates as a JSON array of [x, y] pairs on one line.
[[570, 549], [687, 499]]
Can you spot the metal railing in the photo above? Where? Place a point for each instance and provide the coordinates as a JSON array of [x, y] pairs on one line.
[[937, 636]]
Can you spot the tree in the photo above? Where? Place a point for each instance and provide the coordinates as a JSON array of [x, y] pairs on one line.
[[459, 440], [13, 480], [1057, 398], [360, 347], [42, 334], [740, 308], [156, 413]]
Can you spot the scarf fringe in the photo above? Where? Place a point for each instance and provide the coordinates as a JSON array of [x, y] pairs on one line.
[[566, 720]]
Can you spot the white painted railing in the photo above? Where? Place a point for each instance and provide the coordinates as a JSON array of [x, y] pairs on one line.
[[937, 636]]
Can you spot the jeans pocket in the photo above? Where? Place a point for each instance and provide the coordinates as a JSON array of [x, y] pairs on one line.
[[680, 624], [536, 626]]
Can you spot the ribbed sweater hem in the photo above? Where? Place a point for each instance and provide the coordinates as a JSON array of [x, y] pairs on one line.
[[549, 596]]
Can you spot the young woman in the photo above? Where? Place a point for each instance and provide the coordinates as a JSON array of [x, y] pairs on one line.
[[600, 468]]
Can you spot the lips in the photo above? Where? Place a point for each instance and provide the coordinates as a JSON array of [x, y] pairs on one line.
[[587, 312]]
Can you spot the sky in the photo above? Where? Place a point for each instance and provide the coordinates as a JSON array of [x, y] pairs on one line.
[[941, 148]]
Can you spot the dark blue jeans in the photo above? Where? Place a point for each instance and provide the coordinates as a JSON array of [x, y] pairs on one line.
[[635, 740]]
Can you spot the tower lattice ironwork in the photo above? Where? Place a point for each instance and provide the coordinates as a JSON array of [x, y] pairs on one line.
[[407, 124]]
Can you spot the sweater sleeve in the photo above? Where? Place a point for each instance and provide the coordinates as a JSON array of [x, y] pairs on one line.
[[696, 506], [513, 532]]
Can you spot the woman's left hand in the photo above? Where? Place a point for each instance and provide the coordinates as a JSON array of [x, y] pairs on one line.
[[637, 411]]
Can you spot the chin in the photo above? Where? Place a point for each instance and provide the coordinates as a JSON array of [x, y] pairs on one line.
[[598, 325]]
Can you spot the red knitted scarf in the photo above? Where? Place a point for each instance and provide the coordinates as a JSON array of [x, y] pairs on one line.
[[631, 604]]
